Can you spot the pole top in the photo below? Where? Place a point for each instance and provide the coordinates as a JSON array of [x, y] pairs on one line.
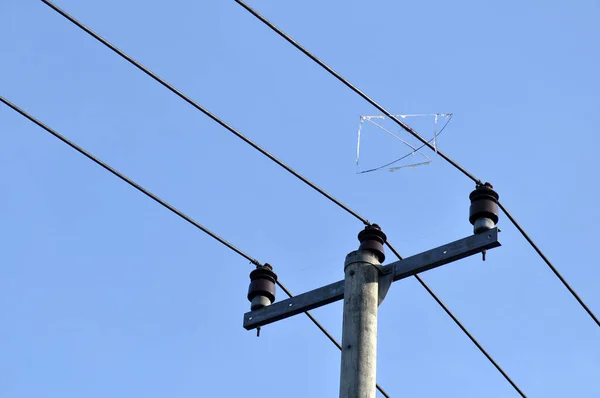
[[361, 256]]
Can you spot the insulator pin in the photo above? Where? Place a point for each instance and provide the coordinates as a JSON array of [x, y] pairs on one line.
[[483, 213], [261, 292], [372, 238]]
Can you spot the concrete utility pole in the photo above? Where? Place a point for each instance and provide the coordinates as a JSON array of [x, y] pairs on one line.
[[364, 287], [359, 335]]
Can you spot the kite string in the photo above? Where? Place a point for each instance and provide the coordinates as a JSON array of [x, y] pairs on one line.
[[447, 115]]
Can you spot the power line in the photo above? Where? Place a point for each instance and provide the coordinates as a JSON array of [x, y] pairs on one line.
[[260, 149], [357, 91], [131, 182], [204, 110], [172, 209], [462, 327], [552, 268], [425, 142]]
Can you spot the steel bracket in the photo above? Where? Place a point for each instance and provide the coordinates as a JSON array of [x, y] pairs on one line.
[[385, 281]]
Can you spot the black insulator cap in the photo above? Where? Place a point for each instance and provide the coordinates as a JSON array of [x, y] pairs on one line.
[[484, 203], [372, 238], [262, 283]]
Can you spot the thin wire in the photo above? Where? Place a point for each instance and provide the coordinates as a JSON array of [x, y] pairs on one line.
[[169, 207], [554, 270], [355, 89], [415, 134], [405, 115], [130, 182], [395, 136], [204, 110], [222, 123], [461, 326], [408, 154]]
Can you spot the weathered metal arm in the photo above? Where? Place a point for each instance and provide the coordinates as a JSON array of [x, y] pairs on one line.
[[400, 269]]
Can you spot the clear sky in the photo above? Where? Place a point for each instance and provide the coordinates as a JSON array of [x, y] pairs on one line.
[[105, 293]]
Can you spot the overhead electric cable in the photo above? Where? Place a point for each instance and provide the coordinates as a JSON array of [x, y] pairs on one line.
[[131, 182], [424, 141], [461, 326], [172, 209], [493, 362], [222, 123], [552, 268], [356, 90], [204, 110]]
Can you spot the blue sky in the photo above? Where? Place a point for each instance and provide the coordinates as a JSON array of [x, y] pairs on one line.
[[105, 293]]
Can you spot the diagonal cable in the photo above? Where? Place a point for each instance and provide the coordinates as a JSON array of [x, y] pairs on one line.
[[131, 182], [356, 90], [461, 326], [173, 209], [425, 142], [547, 261], [204, 110], [247, 140]]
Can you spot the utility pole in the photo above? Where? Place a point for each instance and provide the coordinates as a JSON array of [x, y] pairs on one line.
[[359, 333], [364, 287]]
